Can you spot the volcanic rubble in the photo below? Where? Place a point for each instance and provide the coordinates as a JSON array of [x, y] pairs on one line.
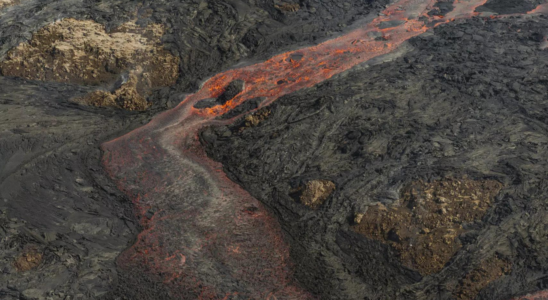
[[418, 176]]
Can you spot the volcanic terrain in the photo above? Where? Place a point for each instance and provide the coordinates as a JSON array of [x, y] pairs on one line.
[[266, 149]]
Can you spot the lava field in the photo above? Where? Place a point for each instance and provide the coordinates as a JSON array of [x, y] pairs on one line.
[[269, 150]]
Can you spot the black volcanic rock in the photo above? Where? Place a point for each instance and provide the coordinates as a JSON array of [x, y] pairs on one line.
[[509, 6], [54, 194], [469, 101], [234, 88], [242, 108]]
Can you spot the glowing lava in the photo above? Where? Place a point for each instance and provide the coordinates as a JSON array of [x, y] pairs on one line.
[[204, 236]]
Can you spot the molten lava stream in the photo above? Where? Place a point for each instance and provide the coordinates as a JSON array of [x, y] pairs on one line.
[[204, 236]]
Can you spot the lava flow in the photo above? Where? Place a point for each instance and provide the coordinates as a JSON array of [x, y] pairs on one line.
[[204, 236]]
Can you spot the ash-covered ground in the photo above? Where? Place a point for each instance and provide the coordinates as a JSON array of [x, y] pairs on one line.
[[418, 175]]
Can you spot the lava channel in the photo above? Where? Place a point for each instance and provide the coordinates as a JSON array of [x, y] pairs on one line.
[[203, 235]]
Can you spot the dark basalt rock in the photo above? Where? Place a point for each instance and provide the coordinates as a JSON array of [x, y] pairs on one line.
[[509, 6], [441, 8], [470, 99], [234, 88], [53, 190], [468, 102], [242, 108]]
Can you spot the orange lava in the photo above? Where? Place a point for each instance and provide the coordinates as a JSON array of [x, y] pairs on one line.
[[541, 9], [282, 75], [204, 236]]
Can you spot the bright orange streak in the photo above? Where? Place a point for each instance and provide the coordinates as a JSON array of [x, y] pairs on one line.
[[318, 63], [164, 169], [335, 55], [541, 9]]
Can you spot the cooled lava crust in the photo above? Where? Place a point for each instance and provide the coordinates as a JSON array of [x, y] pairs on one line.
[[397, 153]]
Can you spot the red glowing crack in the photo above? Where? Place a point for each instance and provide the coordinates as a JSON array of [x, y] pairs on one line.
[[204, 236]]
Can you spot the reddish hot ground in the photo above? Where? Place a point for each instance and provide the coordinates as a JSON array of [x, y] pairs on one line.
[[205, 236], [538, 296]]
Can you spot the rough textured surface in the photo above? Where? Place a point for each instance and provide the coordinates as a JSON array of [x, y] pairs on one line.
[[54, 194], [81, 52], [206, 36], [468, 100], [127, 96], [29, 258], [487, 272], [423, 225], [62, 222], [314, 193], [6, 3], [510, 6]]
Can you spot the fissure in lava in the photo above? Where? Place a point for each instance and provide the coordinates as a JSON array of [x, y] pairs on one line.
[[204, 236]]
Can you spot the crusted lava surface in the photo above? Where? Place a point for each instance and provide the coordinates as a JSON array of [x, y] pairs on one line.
[[462, 107], [63, 222], [331, 149]]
